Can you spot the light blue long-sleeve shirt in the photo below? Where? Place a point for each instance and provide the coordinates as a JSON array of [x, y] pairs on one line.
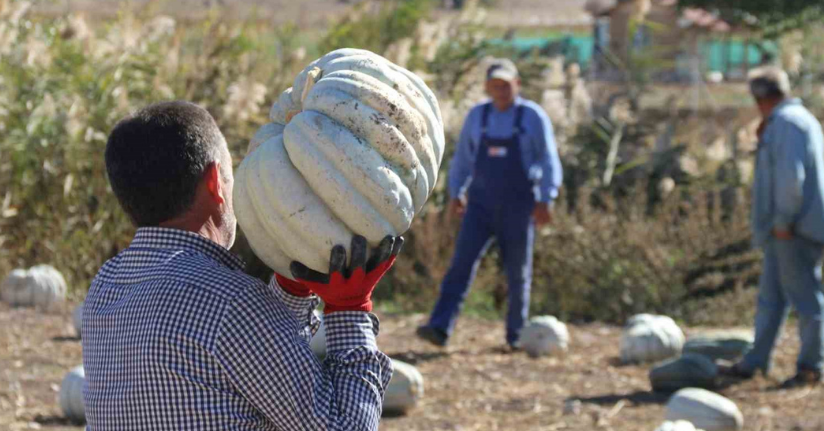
[[537, 139], [788, 192]]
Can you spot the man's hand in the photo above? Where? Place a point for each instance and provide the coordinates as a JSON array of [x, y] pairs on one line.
[[456, 208], [350, 289], [542, 214], [783, 235]]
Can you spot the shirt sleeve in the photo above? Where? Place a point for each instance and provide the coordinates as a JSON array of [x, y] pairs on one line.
[[789, 155], [546, 169], [460, 169], [261, 351], [302, 307]]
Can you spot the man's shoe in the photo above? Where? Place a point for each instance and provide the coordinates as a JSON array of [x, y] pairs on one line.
[[433, 335], [803, 378], [737, 371]]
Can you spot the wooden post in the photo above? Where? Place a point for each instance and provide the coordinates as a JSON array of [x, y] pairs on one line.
[[725, 55], [695, 71]]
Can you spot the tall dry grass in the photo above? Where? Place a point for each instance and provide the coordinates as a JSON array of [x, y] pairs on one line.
[[603, 258], [63, 85]]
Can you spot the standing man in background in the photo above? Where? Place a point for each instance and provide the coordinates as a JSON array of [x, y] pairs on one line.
[[788, 223], [504, 176]]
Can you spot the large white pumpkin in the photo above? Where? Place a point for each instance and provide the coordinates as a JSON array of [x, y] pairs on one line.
[[77, 319], [354, 147], [42, 287], [405, 389], [677, 426], [649, 338], [544, 335], [705, 409], [71, 395]]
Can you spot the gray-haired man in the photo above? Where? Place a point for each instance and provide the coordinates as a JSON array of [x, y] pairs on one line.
[[788, 223]]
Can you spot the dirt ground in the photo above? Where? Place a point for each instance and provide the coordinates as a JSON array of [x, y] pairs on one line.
[[469, 386]]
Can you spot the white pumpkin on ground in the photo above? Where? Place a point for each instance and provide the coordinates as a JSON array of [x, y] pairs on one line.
[[705, 409], [77, 319], [677, 426], [405, 389], [649, 338], [42, 286], [14, 285], [71, 395], [544, 335], [353, 147]]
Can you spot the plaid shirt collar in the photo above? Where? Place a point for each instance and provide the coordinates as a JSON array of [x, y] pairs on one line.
[[175, 239]]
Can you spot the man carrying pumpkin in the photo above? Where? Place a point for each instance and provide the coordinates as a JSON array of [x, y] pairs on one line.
[[177, 337], [503, 179]]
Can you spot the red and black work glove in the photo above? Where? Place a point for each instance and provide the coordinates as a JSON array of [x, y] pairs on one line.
[[350, 289], [292, 287]]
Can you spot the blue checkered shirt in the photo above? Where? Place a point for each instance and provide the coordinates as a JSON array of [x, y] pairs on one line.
[[177, 337]]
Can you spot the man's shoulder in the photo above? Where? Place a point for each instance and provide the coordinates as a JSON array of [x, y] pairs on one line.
[[532, 109], [796, 115], [162, 286], [137, 266], [478, 108], [196, 268]]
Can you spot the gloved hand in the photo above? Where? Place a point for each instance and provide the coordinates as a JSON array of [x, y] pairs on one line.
[[292, 287], [350, 289]]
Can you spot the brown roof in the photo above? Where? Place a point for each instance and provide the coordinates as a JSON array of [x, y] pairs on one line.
[[700, 18]]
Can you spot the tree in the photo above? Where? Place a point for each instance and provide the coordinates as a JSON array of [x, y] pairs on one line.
[[773, 17]]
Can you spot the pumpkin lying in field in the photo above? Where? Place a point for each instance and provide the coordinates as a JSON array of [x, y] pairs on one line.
[[42, 286], [353, 148], [704, 409], [650, 338], [71, 395], [690, 370], [544, 335], [677, 426]]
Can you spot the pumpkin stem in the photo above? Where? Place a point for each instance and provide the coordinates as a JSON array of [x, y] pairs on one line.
[[312, 77]]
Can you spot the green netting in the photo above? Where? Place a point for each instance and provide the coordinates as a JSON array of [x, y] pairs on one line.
[[721, 56]]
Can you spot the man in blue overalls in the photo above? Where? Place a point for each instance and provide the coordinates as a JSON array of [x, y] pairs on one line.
[[504, 176]]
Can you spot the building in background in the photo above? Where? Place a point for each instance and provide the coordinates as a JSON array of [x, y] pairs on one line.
[[681, 45]]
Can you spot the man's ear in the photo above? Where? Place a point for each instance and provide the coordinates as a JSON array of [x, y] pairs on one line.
[[213, 183]]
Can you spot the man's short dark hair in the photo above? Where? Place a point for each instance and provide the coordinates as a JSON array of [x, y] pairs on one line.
[[156, 158]]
